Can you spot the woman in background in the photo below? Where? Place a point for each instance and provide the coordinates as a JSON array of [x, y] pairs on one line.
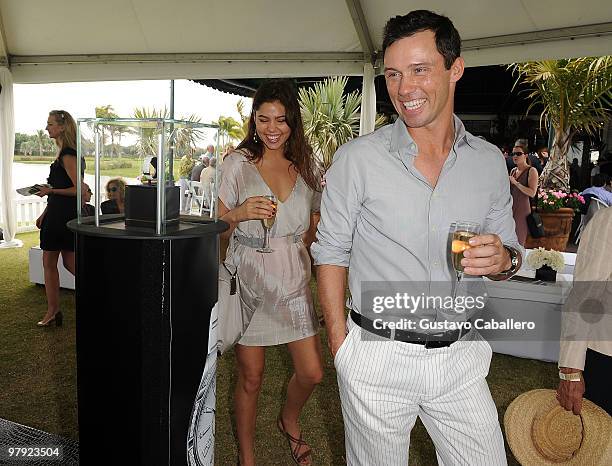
[[55, 237], [115, 193], [523, 186], [274, 158]]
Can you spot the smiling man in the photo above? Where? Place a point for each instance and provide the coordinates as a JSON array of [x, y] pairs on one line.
[[387, 207]]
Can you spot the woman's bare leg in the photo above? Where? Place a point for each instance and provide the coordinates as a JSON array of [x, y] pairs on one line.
[[68, 259], [306, 356], [51, 283], [251, 363]]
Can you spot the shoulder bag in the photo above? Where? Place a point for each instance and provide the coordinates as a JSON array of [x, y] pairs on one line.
[[236, 305]]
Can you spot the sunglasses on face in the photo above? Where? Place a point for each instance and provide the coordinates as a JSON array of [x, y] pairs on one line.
[[112, 189], [518, 153]]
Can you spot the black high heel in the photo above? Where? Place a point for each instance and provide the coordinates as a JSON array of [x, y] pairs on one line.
[[58, 318]]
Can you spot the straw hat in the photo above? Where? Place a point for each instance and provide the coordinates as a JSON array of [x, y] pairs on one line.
[[540, 432]]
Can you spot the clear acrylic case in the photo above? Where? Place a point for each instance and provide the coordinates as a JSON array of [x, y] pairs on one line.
[[126, 154]]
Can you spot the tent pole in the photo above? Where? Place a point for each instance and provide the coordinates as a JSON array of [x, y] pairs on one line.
[[368, 100]]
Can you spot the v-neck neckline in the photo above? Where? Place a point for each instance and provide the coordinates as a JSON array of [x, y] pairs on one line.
[[270, 189]]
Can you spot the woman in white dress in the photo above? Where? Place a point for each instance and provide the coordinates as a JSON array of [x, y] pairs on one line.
[[274, 159]]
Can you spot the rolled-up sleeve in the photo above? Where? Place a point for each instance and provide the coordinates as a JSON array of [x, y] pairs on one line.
[[340, 207], [500, 221]]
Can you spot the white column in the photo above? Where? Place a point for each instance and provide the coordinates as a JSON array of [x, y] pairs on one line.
[[368, 100], [7, 148]]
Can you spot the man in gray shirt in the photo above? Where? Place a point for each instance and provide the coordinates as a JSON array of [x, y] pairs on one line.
[[389, 200]]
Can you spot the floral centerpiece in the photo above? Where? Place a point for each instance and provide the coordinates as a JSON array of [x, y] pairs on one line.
[[546, 263], [550, 200]]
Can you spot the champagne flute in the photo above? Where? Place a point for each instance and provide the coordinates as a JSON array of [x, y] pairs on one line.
[[461, 232], [267, 224]]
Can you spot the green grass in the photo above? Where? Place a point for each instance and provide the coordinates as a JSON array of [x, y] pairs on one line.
[[37, 365], [106, 169], [38, 377]]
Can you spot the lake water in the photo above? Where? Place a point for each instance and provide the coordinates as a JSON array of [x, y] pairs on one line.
[[27, 174]]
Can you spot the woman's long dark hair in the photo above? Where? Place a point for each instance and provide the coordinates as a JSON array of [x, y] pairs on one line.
[[297, 150]]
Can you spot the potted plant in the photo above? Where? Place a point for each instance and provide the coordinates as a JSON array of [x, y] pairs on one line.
[[546, 263], [575, 95], [556, 209]]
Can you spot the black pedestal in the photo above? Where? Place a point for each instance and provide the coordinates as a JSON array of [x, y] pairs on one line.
[[143, 313]]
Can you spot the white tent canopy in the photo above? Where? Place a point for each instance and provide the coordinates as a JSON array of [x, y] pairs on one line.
[[86, 40]]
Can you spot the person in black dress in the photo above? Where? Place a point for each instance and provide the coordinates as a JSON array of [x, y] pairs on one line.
[[55, 237]]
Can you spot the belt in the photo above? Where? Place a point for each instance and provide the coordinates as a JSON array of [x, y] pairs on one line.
[[429, 340], [279, 242]]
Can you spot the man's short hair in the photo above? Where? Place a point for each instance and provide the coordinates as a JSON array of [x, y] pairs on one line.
[[448, 41]]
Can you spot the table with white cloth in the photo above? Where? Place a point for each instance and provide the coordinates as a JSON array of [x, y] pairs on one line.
[[524, 301]]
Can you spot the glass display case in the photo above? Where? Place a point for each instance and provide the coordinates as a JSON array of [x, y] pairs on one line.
[[139, 173]]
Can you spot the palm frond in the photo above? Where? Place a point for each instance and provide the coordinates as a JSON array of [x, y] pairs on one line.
[[330, 117], [575, 95]]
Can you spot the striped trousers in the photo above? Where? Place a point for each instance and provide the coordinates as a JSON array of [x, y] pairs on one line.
[[384, 385]]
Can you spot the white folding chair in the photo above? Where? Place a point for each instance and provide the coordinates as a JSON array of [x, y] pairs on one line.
[[213, 199], [196, 204]]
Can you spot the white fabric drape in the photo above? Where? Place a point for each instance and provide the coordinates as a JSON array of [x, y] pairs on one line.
[[7, 147], [368, 101]]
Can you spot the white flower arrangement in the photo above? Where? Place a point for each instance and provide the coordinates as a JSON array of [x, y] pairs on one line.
[[540, 257]]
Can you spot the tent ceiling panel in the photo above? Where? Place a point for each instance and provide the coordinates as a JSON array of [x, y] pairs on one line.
[[185, 26], [81, 40], [594, 46], [486, 18]]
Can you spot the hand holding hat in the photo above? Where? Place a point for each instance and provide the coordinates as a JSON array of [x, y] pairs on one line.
[[540, 432]]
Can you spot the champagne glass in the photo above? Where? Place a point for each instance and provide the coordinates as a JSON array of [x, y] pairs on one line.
[[461, 232], [267, 224]]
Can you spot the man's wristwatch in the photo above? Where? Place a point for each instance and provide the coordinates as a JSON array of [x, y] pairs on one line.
[[514, 265], [572, 377]]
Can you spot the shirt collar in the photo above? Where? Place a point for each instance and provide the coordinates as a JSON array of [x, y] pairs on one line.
[[401, 139]]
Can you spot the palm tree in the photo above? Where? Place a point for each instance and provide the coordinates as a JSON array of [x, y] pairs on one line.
[[107, 112], [330, 117], [187, 137], [229, 129], [40, 140], [576, 95], [244, 129], [146, 135]]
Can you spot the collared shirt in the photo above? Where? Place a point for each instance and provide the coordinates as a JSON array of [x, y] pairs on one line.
[[600, 193], [587, 315], [382, 219]]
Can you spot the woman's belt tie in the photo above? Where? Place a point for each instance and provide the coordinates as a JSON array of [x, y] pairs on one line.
[[280, 242]]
